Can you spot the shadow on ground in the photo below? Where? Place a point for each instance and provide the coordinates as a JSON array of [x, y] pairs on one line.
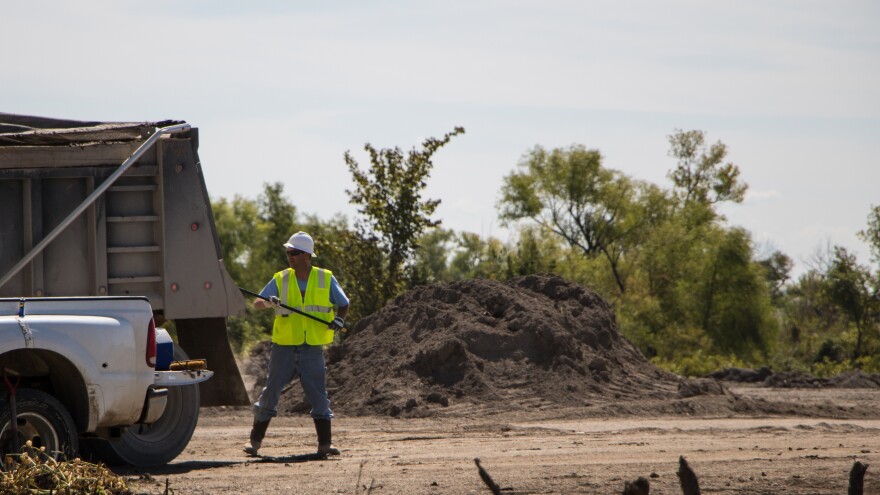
[[188, 466]]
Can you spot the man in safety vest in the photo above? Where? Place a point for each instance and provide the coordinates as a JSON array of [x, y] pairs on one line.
[[297, 341]]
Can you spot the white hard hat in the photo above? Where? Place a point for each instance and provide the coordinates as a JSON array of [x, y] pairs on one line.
[[301, 241]]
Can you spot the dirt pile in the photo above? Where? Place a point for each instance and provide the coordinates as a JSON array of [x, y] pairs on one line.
[[536, 344], [797, 379], [532, 342]]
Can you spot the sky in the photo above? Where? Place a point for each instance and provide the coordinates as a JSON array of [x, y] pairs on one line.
[[280, 90]]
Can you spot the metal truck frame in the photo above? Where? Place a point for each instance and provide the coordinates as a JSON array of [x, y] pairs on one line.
[[118, 209]]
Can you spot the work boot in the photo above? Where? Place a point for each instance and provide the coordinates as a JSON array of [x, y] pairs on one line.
[[257, 434], [325, 437]]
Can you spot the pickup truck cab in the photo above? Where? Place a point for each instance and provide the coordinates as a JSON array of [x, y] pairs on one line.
[[88, 374]]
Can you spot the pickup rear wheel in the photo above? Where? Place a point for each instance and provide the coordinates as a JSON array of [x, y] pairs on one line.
[[157, 443], [43, 421]]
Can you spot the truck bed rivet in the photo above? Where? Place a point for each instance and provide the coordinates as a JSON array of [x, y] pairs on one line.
[[207, 285], [194, 226], [174, 287]]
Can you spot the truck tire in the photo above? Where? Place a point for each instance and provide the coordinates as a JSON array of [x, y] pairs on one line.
[[158, 443], [43, 420]]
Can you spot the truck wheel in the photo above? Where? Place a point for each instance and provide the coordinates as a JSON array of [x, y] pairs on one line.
[[157, 443], [42, 420]]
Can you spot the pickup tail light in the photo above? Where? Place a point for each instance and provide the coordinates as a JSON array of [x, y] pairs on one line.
[[151, 344]]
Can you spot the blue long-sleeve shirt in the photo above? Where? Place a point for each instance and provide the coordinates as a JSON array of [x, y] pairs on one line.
[[337, 295]]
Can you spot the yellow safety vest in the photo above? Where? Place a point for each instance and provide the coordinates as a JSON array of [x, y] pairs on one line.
[[294, 329]]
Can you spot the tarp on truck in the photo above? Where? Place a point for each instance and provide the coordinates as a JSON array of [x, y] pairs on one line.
[[27, 130]]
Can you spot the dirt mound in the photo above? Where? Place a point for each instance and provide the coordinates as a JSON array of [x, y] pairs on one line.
[[797, 379], [855, 379], [741, 375], [700, 387], [536, 344], [792, 379], [532, 342], [536, 341]]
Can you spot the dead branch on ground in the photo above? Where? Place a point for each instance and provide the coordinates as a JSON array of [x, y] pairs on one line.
[[857, 479], [641, 486], [496, 490], [688, 478]]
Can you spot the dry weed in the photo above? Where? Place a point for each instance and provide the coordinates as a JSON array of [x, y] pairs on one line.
[[33, 472]]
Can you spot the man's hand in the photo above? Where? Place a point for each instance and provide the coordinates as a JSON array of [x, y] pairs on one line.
[[337, 324]]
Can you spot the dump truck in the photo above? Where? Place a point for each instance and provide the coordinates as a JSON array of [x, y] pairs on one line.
[[91, 208]]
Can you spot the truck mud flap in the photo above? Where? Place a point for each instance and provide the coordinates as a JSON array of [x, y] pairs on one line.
[[206, 338]]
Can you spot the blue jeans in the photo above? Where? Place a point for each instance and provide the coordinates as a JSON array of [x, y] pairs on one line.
[[285, 363]]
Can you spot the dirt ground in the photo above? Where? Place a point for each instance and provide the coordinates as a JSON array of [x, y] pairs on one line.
[[544, 451], [532, 377]]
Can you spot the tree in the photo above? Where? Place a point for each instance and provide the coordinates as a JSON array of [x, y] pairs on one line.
[[357, 262], [852, 288], [389, 195], [871, 235], [670, 265], [238, 225], [251, 234], [238, 228], [731, 298], [699, 289], [430, 260], [278, 218], [478, 258], [567, 191], [699, 176], [535, 252], [811, 319], [777, 271]]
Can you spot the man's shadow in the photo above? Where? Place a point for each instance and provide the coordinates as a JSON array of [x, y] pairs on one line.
[[294, 458], [187, 466]]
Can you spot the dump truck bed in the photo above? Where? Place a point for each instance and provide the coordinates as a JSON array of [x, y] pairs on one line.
[[151, 233]]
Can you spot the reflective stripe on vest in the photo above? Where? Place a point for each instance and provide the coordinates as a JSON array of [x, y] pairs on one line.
[[285, 283], [294, 329]]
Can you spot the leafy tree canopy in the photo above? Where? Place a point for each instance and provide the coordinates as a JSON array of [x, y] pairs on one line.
[[389, 196], [600, 211], [700, 175]]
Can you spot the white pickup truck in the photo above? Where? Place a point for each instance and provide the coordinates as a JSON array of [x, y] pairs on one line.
[[92, 374]]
